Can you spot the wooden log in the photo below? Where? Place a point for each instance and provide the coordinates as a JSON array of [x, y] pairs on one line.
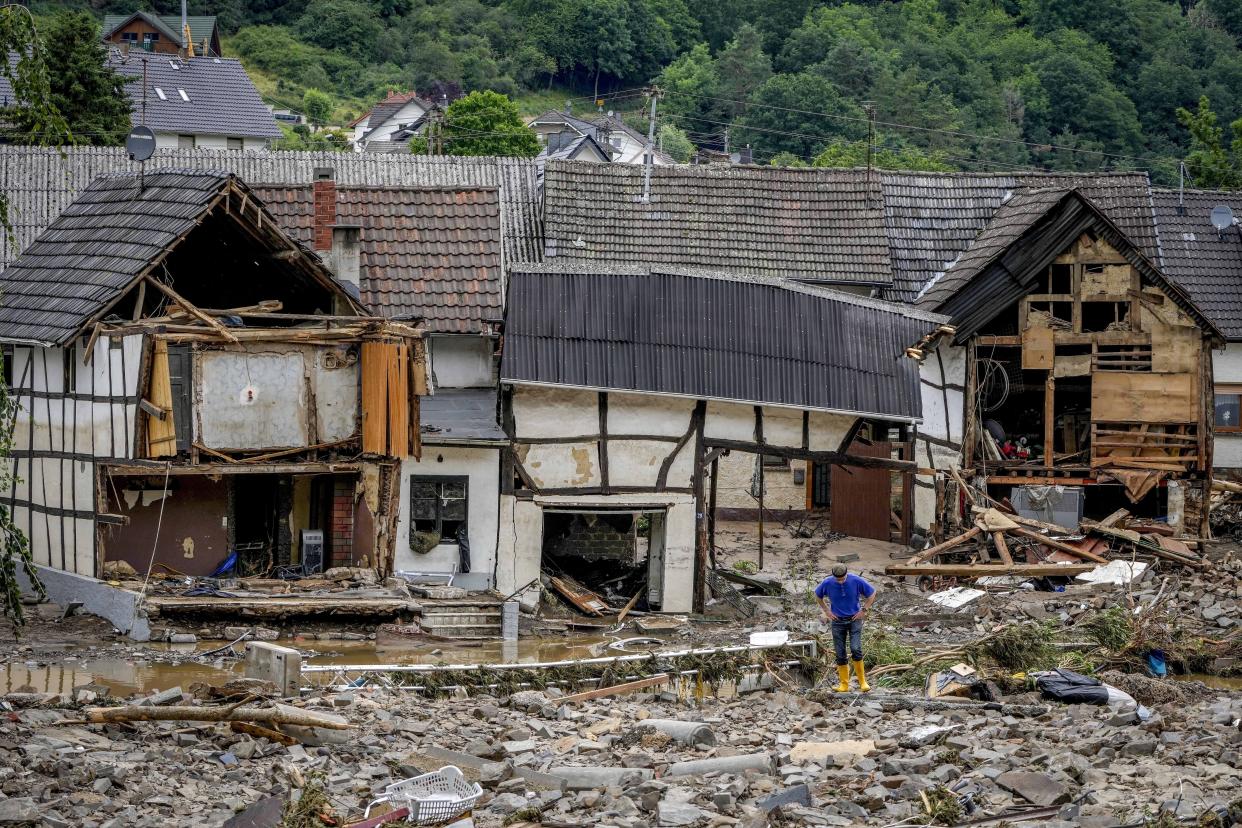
[[192, 309], [1003, 548], [981, 570], [1059, 545], [1226, 486], [276, 714], [258, 731], [933, 551], [617, 689]]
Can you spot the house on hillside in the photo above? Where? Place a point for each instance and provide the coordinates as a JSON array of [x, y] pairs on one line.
[[198, 393], [622, 389], [162, 33], [624, 144], [390, 124], [431, 257], [1206, 262], [196, 103]]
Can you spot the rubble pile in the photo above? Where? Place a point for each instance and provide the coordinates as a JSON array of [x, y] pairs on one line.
[[639, 760]]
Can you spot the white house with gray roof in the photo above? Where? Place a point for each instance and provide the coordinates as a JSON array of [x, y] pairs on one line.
[[196, 103]]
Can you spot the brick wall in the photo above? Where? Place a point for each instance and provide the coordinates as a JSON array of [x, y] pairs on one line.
[[324, 190], [594, 538], [342, 523]]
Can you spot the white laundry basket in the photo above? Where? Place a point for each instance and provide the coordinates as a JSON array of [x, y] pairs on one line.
[[433, 797]]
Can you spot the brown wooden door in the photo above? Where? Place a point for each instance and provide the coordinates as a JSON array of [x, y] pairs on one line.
[[862, 498]]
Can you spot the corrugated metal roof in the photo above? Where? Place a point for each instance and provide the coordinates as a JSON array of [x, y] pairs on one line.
[[692, 334], [96, 248], [431, 253], [454, 415], [222, 100], [811, 224], [1207, 264]]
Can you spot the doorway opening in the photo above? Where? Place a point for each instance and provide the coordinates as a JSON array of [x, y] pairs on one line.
[[616, 554]]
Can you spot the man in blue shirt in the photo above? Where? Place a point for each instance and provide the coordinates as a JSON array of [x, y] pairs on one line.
[[839, 601]]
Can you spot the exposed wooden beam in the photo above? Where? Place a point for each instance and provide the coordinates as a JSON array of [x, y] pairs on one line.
[[193, 309]]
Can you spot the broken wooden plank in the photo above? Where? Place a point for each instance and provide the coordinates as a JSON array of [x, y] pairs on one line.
[[933, 551], [1059, 545], [617, 689], [1003, 548], [193, 310], [1115, 518], [629, 605], [982, 570], [1145, 545], [582, 598]]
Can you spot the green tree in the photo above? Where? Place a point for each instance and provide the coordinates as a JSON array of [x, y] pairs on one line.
[[1210, 163], [786, 159], [741, 67], [300, 137], [690, 88], [350, 27], [487, 123], [843, 154], [676, 143], [35, 109], [799, 114], [316, 106], [84, 90]]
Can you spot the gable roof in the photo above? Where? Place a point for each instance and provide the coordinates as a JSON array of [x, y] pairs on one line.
[[996, 270], [816, 225], [167, 25], [569, 150], [932, 218], [387, 108], [1207, 264], [103, 243], [709, 335], [432, 253], [222, 98], [593, 128]]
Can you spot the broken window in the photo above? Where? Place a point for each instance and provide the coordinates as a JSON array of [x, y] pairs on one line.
[[437, 507], [1228, 408]]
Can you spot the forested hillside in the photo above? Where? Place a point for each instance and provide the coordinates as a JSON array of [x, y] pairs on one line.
[[1065, 84]]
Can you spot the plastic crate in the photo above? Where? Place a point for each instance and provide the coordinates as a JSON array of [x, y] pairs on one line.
[[433, 797]]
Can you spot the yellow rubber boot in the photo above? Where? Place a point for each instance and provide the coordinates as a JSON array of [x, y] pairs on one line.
[[843, 676], [862, 676]]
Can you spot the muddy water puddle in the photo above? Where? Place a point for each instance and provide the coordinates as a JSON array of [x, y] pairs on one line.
[[132, 674], [1215, 682]]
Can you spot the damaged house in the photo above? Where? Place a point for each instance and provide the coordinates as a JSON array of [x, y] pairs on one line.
[[622, 389], [431, 256], [1089, 372], [198, 394], [1082, 358]]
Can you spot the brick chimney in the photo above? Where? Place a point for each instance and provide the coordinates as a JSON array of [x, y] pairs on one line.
[[325, 207]]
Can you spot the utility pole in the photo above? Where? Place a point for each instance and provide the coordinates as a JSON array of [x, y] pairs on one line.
[[649, 155], [869, 106]]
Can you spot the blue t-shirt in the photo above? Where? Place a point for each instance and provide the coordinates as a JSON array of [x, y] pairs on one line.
[[843, 598]]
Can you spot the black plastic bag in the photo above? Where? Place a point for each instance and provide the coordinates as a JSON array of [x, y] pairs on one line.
[[1072, 688]]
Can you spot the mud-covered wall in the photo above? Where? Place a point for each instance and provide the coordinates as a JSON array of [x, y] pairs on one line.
[[938, 443], [193, 533]]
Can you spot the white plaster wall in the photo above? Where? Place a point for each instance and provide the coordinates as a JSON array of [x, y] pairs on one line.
[[731, 421], [637, 463], [172, 140], [554, 412], [828, 431], [482, 467], [1227, 368], [276, 416], [462, 361], [520, 552], [561, 465], [943, 418], [648, 414], [336, 384]]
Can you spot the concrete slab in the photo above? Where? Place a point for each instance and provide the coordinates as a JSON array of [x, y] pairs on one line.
[[119, 607]]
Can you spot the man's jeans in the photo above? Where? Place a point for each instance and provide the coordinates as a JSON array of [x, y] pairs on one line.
[[852, 629]]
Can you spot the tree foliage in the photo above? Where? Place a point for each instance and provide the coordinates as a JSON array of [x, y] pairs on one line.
[[35, 110], [487, 123], [1210, 162], [316, 106]]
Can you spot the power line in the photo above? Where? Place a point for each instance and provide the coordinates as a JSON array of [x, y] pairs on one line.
[[936, 130]]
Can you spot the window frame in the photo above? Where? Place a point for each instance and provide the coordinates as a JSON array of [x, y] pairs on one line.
[[439, 480], [1227, 389]]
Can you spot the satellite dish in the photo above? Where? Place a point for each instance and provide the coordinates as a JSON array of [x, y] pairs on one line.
[[1222, 218], [140, 144]]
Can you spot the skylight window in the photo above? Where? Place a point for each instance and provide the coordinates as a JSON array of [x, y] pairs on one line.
[[160, 93], [184, 96]]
